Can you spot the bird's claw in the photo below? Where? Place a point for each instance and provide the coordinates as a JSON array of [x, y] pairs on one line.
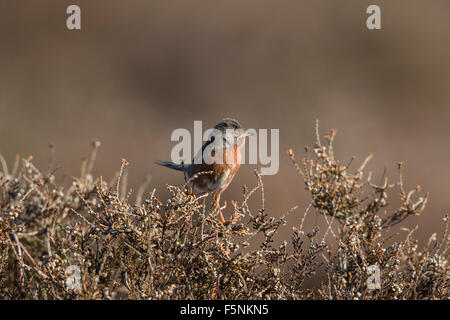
[[224, 206]]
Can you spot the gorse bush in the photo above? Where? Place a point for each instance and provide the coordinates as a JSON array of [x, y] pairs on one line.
[[51, 237]]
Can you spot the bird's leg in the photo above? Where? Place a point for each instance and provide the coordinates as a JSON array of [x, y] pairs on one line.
[[216, 201], [220, 211]]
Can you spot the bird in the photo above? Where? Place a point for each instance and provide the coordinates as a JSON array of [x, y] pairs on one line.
[[213, 171]]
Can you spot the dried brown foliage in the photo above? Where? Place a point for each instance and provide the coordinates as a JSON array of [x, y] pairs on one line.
[[178, 249]]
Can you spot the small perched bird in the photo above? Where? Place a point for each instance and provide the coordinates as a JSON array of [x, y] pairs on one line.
[[210, 176]]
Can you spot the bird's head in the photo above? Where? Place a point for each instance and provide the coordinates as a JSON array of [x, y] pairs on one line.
[[232, 132]]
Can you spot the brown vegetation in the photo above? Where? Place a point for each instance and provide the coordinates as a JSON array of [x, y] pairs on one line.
[[178, 249]]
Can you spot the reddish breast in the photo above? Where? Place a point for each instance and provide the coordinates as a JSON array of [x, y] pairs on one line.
[[225, 171]]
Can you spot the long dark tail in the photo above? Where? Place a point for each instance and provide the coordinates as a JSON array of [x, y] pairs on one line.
[[171, 165]]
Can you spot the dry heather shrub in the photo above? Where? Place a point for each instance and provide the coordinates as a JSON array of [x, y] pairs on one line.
[[177, 249], [365, 227]]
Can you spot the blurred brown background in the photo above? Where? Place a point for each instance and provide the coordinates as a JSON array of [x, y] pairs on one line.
[[140, 69]]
